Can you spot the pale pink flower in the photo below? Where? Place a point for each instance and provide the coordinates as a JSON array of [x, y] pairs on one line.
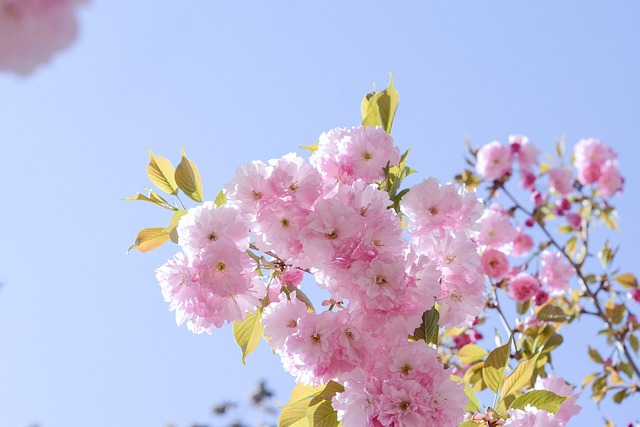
[[249, 190], [496, 228], [557, 385], [591, 151], [293, 179], [531, 417], [561, 180], [574, 220], [494, 161], [555, 272], [31, 31], [367, 152], [461, 299], [610, 180], [522, 243], [494, 264], [207, 224], [589, 173], [523, 287], [280, 319]]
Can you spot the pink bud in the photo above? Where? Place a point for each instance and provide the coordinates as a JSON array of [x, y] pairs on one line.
[[574, 220], [515, 146], [634, 294], [565, 204], [537, 198], [529, 222], [589, 173], [541, 297]]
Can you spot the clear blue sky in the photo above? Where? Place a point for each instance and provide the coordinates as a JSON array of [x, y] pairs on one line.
[[85, 337]]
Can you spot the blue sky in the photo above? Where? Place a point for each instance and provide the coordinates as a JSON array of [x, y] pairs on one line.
[[85, 337]]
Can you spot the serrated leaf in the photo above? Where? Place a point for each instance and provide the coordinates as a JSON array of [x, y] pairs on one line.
[[551, 313], [247, 333], [301, 296], [188, 178], [428, 329], [152, 198], [541, 399], [322, 415], [627, 280], [311, 148], [473, 404], [173, 224], [494, 366], [633, 341], [296, 409], [221, 199], [149, 239], [471, 353], [595, 356], [161, 172], [520, 377], [381, 108]]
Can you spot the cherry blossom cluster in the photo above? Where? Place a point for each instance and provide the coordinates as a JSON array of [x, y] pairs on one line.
[[32, 30], [326, 216], [595, 164]]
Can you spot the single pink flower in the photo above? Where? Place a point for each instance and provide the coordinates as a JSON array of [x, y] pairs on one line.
[[494, 264], [494, 161], [523, 287]]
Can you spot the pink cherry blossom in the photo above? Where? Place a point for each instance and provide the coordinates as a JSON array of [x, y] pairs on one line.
[[560, 180], [531, 417], [522, 243], [610, 180], [523, 287], [555, 272], [634, 294], [31, 31], [497, 229], [494, 161], [494, 264]]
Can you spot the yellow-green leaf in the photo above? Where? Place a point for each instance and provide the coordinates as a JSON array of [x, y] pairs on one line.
[[173, 224], [221, 199], [248, 333], [519, 378], [161, 173], [149, 239], [633, 341], [428, 329], [494, 366], [473, 404], [551, 313], [322, 415], [471, 353], [295, 411], [595, 356], [541, 399], [188, 179], [627, 280], [311, 148], [381, 108]]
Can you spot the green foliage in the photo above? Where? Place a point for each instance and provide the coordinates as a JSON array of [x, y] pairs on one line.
[[161, 173], [379, 109], [494, 366], [519, 378], [188, 178], [428, 329], [552, 313], [471, 353], [247, 333], [311, 406], [149, 239], [541, 399]]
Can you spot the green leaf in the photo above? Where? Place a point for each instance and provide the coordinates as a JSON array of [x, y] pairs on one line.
[[221, 199], [595, 356], [188, 179], [471, 353], [173, 224], [311, 148], [633, 341], [605, 254], [248, 333], [322, 415], [473, 404], [494, 366], [620, 396], [551, 313], [300, 296], [149, 239], [296, 409], [428, 329], [571, 246], [541, 399], [327, 392], [380, 109], [608, 216], [161, 173], [520, 377], [627, 280], [470, 423]]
